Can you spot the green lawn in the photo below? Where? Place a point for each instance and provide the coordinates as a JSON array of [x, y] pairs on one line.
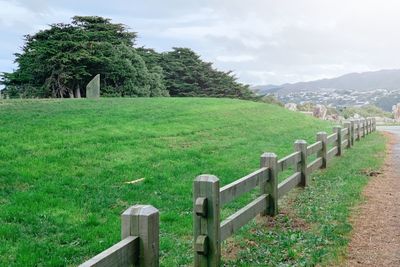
[[64, 164]]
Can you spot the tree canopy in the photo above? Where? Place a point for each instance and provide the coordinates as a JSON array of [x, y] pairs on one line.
[[61, 60]]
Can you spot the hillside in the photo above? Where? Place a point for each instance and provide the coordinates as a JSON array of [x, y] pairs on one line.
[[65, 163], [365, 81]]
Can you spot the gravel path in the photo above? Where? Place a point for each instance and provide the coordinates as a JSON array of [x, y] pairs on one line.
[[376, 234]]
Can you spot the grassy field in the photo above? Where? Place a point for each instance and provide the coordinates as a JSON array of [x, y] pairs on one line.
[[64, 164]]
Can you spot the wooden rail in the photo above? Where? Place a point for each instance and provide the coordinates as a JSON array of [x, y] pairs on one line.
[[233, 223], [209, 198], [139, 244], [288, 184], [121, 254], [314, 148], [288, 161], [243, 185]]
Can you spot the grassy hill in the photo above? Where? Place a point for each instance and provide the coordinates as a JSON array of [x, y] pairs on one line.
[[64, 164]]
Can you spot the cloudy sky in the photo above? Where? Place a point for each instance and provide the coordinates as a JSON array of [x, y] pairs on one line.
[[263, 42]]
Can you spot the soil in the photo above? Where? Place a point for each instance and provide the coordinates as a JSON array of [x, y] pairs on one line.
[[376, 225]]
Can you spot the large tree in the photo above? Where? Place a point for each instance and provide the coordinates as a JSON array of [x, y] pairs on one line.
[[185, 74], [59, 62]]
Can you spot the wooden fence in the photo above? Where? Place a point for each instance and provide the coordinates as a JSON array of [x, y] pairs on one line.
[[140, 223], [209, 197]]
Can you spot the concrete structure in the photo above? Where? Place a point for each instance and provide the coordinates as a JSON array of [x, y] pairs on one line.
[[93, 87]]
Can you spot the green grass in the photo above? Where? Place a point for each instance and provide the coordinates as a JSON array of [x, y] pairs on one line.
[[64, 164]]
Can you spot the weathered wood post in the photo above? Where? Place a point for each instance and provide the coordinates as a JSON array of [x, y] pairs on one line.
[[323, 137], [206, 221], [143, 221], [370, 125], [347, 125], [374, 124], [301, 146], [269, 160], [358, 122], [364, 127], [353, 125], [338, 130]]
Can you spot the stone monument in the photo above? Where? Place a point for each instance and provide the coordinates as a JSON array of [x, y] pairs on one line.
[[93, 87]]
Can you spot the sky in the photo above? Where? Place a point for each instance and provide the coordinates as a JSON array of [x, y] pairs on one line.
[[262, 42]]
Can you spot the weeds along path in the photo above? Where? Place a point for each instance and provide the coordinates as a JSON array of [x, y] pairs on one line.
[[376, 234]]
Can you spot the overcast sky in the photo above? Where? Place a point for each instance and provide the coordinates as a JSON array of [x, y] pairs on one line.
[[263, 42]]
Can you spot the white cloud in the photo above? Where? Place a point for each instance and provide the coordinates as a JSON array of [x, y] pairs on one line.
[[13, 14], [235, 58], [262, 41]]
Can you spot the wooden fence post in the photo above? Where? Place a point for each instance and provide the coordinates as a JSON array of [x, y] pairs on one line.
[[143, 221], [364, 129], [323, 137], [206, 221], [301, 146], [270, 160], [374, 124], [371, 125], [338, 130], [355, 130], [352, 122], [358, 129], [347, 125]]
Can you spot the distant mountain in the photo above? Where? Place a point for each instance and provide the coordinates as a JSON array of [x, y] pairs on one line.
[[265, 89], [365, 81]]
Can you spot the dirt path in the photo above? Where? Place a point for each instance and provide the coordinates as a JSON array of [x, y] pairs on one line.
[[376, 235]]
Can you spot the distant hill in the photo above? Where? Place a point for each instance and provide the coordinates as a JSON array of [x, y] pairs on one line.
[[365, 81]]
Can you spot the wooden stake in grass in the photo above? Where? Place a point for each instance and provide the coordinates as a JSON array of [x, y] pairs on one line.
[[363, 123], [269, 160], [338, 131], [206, 221], [353, 123], [323, 137], [348, 126], [143, 221], [301, 146]]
